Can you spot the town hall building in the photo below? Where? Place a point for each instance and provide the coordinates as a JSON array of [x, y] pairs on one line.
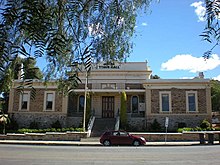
[[185, 101]]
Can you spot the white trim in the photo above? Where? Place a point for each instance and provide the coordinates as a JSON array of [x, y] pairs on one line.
[[110, 90], [45, 100], [190, 86], [28, 101], [170, 102], [187, 101]]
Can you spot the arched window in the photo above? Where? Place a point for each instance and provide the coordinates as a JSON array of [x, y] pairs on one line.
[[134, 104], [81, 103]]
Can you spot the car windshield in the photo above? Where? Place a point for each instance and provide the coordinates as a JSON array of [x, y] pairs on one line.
[[123, 134]]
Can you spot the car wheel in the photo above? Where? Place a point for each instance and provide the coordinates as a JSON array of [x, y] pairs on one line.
[[107, 143], [136, 143]]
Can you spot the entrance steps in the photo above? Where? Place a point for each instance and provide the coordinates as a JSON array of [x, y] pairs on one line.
[[101, 125]]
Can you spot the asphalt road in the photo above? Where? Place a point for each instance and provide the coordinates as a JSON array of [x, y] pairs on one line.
[[57, 155]]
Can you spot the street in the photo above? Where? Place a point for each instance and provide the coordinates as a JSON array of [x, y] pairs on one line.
[[57, 155]]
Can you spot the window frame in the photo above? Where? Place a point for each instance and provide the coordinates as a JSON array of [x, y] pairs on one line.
[[45, 101], [79, 103], [132, 104], [187, 101], [28, 101], [170, 101]]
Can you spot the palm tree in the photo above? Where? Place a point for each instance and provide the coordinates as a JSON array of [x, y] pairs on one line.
[[4, 119]]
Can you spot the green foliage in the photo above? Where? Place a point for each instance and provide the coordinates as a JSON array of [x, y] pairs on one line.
[[205, 124], [34, 125], [155, 126], [155, 77], [4, 120], [211, 31], [180, 130], [56, 125], [30, 69], [26, 130], [66, 32], [123, 111], [181, 125], [215, 95]]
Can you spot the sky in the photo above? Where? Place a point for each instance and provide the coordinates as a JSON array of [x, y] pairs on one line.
[[168, 38]]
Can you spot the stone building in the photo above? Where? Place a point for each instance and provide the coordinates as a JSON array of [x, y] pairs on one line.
[[185, 101]]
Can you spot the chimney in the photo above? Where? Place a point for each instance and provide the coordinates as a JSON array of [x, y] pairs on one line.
[[201, 75]]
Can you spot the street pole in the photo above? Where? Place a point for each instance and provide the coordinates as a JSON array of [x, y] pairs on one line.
[[166, 125], [84, 112]]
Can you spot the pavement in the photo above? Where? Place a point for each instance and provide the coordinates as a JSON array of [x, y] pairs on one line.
[[94, 143]]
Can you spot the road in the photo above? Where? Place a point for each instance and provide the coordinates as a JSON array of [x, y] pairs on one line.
[[57, 155]]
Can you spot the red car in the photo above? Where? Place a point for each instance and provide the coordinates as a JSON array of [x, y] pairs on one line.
[[121, 138]]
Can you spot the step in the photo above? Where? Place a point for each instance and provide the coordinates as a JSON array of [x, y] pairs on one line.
[[102, 125]]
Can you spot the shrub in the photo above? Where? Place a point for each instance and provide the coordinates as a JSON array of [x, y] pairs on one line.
[[13, 125], [180, 130], [205, 124], [123, 113], [181, 125], [26, 130], [34, 125], [56, 124], [155, 126]]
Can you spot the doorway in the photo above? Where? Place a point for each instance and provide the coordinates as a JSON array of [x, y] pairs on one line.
[[108, 103]]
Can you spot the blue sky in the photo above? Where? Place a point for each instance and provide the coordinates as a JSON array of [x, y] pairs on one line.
[[168, 38]]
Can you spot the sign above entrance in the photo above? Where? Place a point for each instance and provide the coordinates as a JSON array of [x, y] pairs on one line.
[[108, 65]]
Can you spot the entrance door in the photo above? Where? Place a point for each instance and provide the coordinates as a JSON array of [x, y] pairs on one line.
[[108, 106]]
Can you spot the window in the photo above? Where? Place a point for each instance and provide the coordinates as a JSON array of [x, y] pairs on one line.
[[81, 103], [49, 101], [134, 104], [24, 101], [191, 101], [165, 101]]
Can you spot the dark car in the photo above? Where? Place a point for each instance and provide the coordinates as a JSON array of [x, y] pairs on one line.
[[121, 138]]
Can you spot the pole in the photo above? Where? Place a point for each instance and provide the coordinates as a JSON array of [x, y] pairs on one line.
[[84, 112], [166, 126], [166, 136]]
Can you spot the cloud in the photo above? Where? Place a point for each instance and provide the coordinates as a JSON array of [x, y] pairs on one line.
[[187, 77], [144, 24], [217, 78], [190, 63], [200, 10]]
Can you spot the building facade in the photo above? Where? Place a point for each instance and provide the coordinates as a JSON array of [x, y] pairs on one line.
[[184, 101]]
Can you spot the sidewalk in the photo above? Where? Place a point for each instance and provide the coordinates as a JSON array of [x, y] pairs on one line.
[[93, 143]]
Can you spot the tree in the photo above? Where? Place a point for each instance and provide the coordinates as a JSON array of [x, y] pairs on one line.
[[4, 119], [31, 71], [67, 32], [215, 95], [123, 111], [154, 77], [212, 29]]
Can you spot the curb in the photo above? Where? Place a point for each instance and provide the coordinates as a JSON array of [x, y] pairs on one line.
[[80, 143], [55, 143]]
